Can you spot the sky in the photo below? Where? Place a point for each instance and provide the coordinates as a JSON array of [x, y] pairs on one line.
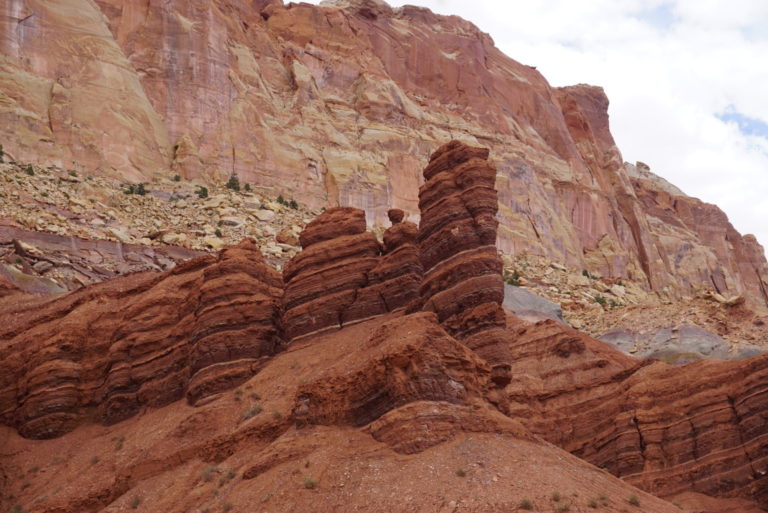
[[687, 81]]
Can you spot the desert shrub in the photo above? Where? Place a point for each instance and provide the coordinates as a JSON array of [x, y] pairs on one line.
[[176, 178], [563, 507], [252, 412], [592, 503], [604, 500], [600, 300], [138, 189], [247, 187], [218, 233], [2, 154], [461, 472], [310, 483], [208, 473], [556, 496], [526, 504], [634, 500], [135, 502], [202, 192], [29, 170], [233, 183], [72, 173], [512, 278], [293, 204], [281, 200]]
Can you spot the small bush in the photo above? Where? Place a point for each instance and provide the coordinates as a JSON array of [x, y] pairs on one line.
[[218, 233], [310, 483], [592, 503], [255, 396], [176, 178], [277, 415], [563, 507], [600, 300], [281, 200], [118, 442], [634, 500], [526, 504], [233, 183], [293, 204], [202, 192], [30, 171], [2, 154], [512, 278], [135, 502], [461, 472], [252, 412], [208, 473], [247, 187], [604, 500], [136, 189], [556, 496], [71, 173]]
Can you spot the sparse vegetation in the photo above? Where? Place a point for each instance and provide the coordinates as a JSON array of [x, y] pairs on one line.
[[281, 200], [176, 178], [233, 183], [526, 504], [592, 503], [277, 415], [563, 506], [247, 187], [461, 472], [252, 412], [138, 189], [29, 170], [512, 278], [135, 502], [118, 442], [600, 300], [202, 192], [293, 204], [208, 473], [634, 500], [604, 500], [71, 172], [218, 233], [310, 483], [255, 396], [2, 154], [556, 496]]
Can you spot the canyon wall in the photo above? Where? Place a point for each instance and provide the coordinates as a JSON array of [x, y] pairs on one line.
[[339, 105]]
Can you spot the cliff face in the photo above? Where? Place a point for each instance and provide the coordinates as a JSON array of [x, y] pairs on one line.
[[339, 105]]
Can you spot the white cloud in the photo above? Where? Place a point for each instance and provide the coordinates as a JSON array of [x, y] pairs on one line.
[[669, 68]]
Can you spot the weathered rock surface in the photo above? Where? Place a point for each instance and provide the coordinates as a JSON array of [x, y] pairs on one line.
[[529, 305], [667, 429], [104, 352], [457, 234], [344, 274], [339, 104]]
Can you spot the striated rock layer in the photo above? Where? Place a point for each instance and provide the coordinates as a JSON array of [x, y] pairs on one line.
[[146, 339], [339, 104], [666, 429], [457, 235], [344, 275]]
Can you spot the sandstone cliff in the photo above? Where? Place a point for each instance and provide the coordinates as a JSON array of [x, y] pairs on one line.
[[339, 105]]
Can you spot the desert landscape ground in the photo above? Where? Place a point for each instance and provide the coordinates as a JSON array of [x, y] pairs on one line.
[[268, 257]]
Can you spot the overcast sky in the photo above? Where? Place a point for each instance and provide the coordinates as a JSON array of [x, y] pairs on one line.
[[687, 81]]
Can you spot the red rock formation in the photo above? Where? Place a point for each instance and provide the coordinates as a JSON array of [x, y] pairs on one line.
[[145, 339], [343, 274], [666, 429], [457, 234]]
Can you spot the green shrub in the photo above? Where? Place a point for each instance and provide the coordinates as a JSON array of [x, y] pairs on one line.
[[252, 412], [29, 170], [72, 173], [136, 189], [176, 178], [247, 187], [293, 204], [600, 300], [310, 483], [512, 278], [556, 496], [563, 507], [202, 192], [233, 183], [2, 154], [526, 504], [218, 233], [281, 200], [208, 473], [461, 472], [135, 502], [634, 500], [592, 503]]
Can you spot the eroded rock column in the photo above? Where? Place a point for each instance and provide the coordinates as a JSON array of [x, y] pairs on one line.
[[457, 241]]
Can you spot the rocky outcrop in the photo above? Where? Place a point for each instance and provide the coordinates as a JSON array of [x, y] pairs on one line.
[[666, 429], [339, 104], [457, 235], [106, 351], [344, 275]]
